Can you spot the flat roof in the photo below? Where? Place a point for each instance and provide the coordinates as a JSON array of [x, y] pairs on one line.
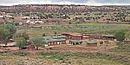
[[55, 40]]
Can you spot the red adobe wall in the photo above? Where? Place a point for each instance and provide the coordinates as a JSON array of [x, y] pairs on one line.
[[77, 37], [126, 42], [54, 43]]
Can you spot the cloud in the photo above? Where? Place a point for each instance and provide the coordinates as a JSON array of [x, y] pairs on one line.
[[94, 2]]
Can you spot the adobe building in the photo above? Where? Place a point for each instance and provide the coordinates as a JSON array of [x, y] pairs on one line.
[[126, 41], [93, 36], [73, 36], [75, 42], [55, 40], [77, 37], [108, 37], [68, 36]]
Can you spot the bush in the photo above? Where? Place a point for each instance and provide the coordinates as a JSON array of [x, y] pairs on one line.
[[21, 42], [120, 35], [44, 35]]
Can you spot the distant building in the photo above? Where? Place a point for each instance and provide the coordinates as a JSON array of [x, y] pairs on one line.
[[75, 42], [55, 40], [91, 43], [108, 37], [74, 36], [33, 22]]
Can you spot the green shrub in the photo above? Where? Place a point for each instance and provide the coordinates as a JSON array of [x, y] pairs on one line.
[[44, 35], [120, 35]]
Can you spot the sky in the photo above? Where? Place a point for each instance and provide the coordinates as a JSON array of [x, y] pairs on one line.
[[82, 2]]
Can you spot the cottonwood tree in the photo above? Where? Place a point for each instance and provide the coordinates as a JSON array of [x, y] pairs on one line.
[[37, 41]]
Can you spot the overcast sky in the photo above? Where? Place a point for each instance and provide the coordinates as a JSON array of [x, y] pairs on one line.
[[86, 2]]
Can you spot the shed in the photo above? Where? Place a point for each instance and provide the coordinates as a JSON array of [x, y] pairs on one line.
[[75, 42], [108, 37], [56, 41], [91, 43]]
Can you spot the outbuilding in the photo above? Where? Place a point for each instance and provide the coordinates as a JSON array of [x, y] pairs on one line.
[[55, 42], [91, 43], [73, 36], [108, 37], [75, 42]]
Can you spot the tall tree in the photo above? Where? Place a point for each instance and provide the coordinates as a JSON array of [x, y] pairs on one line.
[[4, 34], [37, 41], [12, 29]]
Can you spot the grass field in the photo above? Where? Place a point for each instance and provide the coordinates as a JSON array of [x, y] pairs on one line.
[[62, 58], [89, 28], [115, 56]]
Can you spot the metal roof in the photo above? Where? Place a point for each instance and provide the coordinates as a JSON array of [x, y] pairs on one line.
[[55, 40], [91, 42], [75, 41]]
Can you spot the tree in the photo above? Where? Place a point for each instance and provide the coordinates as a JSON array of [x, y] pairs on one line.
[[37, 41], [120, 35], [44, 35], [11, 28], [21, 42], [4, 34], [21, 34]]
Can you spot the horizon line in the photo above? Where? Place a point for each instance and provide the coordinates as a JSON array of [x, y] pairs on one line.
[[107, 4]]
